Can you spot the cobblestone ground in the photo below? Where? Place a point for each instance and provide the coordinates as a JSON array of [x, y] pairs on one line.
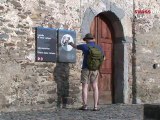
[[108, 112]]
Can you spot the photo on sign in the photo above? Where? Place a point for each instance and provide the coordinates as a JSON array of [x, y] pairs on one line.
[[66, 52], [65, 40]]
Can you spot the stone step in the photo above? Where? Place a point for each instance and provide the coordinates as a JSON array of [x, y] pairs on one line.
[[152, 111]]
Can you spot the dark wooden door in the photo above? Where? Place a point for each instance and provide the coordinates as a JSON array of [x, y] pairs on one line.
[[102, 33]]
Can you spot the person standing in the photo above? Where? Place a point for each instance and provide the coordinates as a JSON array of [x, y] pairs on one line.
[[87, 75]]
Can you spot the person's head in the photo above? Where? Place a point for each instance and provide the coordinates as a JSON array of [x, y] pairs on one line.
[[88, 38]]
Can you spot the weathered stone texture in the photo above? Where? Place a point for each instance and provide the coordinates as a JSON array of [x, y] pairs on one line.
[[25, 84], [143, 52], [147, 52], [147, 76]]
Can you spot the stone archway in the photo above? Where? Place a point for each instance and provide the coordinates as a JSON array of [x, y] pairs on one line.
[[115, 15]]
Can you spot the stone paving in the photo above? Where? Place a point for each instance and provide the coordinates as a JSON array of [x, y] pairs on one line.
[[107, 112]]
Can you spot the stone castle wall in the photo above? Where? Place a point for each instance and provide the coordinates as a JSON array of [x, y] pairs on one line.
[[147, 44], [26, 84]]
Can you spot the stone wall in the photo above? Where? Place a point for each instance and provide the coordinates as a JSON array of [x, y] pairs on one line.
[[147, 44], [24, 83]]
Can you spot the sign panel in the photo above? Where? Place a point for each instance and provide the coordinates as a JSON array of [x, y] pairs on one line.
[[46, 44], [66, 52]]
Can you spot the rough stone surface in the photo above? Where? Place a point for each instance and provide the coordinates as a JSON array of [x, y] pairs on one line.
[[26, 84], [152, 111], [147, 52], [108, 112], [4, 36]]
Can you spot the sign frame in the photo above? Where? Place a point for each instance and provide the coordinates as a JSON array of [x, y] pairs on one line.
[[66, 53], [45, 44]]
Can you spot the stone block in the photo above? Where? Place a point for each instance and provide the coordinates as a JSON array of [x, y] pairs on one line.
[[1, 8], [1, 24], [61, 1], [42, 2], [41, 102], [23, 16], [119, 12], [16, 4], [3, 101], [51, 100], [52, 91], [152, 111], [3, 1], [7, 30], [20, 32], [4, 36]]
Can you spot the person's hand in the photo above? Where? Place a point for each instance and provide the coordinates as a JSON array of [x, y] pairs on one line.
[[70, 43]]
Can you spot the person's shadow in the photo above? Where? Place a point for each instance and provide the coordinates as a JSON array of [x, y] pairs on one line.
[[61, 76]]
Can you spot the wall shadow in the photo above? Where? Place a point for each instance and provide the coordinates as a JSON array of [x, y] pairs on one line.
[[61, 77]]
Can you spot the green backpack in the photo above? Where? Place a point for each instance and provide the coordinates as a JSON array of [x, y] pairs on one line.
[[95, 58]]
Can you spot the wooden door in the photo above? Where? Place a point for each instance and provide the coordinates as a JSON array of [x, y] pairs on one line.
[[102, 33]]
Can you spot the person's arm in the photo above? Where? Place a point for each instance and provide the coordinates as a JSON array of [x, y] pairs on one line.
[[73, 45]]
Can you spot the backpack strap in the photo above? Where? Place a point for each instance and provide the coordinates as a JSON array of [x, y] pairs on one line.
[[89, 46]]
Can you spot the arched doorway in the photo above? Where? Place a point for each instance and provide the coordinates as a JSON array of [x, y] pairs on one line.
[[103, 34], [120, 60]]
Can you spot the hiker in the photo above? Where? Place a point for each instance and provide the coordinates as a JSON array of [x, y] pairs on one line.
[[87, 75]]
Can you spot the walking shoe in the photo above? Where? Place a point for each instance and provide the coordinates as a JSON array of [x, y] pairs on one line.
[[84, 107], [96, 109]]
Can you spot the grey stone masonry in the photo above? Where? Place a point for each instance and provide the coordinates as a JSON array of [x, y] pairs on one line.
[[107, 112]]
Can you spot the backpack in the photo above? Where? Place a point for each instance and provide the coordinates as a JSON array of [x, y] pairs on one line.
[[95, 58]]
